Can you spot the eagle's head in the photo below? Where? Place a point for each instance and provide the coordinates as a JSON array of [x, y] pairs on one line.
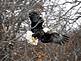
[[31, 39]]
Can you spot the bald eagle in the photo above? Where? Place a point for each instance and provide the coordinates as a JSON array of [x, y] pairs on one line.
[[38, 33]]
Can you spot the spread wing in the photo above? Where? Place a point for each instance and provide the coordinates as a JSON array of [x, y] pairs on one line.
[[51, 37], [59, 38]]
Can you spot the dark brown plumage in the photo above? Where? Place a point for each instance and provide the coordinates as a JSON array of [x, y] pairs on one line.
[[45, 37]]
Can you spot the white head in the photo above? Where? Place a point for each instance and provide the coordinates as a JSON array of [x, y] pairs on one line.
[[31, 40], [46, 29]]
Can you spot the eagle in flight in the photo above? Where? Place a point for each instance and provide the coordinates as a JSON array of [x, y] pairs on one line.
[[38, 33]]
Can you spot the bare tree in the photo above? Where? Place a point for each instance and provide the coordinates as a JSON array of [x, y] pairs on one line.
[[60, 16]]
